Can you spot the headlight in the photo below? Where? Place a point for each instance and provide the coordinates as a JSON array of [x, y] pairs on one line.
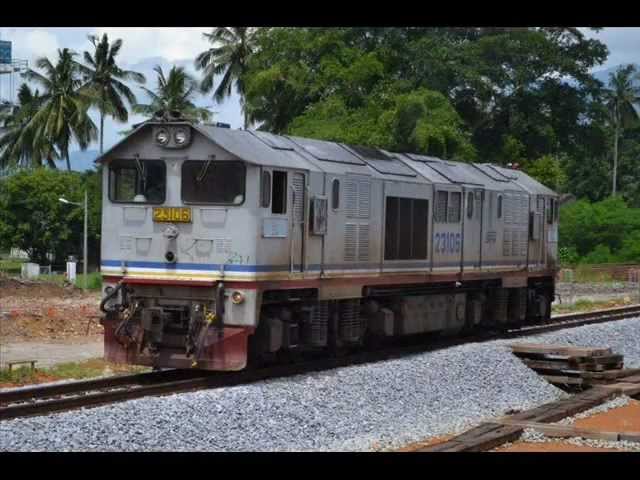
[[180, 136], [162, 137], [237, 297]]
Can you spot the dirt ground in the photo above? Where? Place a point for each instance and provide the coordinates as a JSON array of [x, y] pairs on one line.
[[39, 311], [48, 323], [48, 354]]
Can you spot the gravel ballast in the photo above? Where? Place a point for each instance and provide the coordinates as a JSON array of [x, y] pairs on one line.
[[365, 407]]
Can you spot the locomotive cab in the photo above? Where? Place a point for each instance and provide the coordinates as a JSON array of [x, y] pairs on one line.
[[171, 215]]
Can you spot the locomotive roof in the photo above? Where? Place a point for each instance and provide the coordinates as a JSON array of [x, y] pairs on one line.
[[267, 149]]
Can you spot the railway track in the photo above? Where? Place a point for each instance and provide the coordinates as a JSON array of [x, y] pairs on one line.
[[47, 399]]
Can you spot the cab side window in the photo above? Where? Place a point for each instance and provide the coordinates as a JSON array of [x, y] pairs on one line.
[[335, 194], [265, 199], [279, 193]]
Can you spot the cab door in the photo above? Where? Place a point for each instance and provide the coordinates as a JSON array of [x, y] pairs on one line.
[[472, 229], [298, 225]]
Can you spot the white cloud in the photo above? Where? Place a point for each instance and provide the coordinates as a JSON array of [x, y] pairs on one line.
[[29, 44], [623, 44], [173, 44]]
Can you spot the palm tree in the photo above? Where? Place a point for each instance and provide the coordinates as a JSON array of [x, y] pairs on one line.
[[233, 46], [62, 112], [17, 146], [174, 94], [104, 81], [621, 96]]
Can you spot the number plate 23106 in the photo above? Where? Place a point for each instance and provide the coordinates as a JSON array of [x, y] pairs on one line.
[[172, 214]]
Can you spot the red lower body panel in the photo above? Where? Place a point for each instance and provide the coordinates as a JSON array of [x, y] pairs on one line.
[[224, 349]]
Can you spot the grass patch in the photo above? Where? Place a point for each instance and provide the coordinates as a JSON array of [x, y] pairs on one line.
[[94, 280], [11, 266], [584, 305], [72, 370]]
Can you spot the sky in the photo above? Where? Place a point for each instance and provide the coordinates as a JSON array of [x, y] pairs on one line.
[[143, 48]]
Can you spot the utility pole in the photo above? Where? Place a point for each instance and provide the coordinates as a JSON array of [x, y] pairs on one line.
[[85, 250]]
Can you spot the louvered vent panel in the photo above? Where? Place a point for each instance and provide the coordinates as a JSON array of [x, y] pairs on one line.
[[523, 244], [515, 243], [350, 242], [441, 207], [506, 243], [364, 198], [363, 243], [298, 206], [524, 208], [351, 198], [454, 208], [508, 209]]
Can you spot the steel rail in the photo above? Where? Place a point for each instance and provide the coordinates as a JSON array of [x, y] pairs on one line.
[[116, 389]]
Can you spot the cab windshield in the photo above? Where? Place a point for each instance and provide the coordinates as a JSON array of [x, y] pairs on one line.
[[214, 182], [137, 181]]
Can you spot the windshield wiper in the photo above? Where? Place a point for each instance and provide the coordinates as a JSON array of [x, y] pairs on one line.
[[143, 178], [203, 172]]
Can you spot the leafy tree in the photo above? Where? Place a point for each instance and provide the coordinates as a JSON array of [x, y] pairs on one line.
[[621, 97], [17, 145], [32, 218], [421, 121], [527, 90], [548, 171], [62, 112], [173, 94], [585, 225], [104, 81], [232, 48]]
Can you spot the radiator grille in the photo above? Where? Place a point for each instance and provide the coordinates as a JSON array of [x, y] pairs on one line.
[[356, 242], [358, 198], [350, 242], [298, 205], [454, 208], [363, 243], [506, 243]]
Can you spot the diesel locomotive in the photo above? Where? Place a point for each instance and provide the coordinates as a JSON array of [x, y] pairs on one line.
[[223, 246]]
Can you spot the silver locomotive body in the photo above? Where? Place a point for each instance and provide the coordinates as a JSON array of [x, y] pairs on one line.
[[219, 245]]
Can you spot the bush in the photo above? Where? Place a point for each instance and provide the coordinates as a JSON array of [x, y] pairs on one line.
[[568, 256], [601, 254], [600, 232]]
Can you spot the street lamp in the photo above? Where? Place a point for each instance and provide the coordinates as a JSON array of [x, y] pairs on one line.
[[86, 216]]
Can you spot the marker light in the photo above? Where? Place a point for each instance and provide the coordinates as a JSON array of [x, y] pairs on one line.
[[237, 297], [162, 137], [180, 136]]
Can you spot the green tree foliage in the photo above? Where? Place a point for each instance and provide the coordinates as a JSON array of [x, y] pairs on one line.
[[231, 50], [104, 81], [621, 96], [601, 232], [18, 147], [32, 218], [548, 171], [174, 93], [419, 121], [508, 87], [62, 114]]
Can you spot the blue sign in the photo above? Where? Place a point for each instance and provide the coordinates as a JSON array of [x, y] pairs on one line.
[[5, 51]]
